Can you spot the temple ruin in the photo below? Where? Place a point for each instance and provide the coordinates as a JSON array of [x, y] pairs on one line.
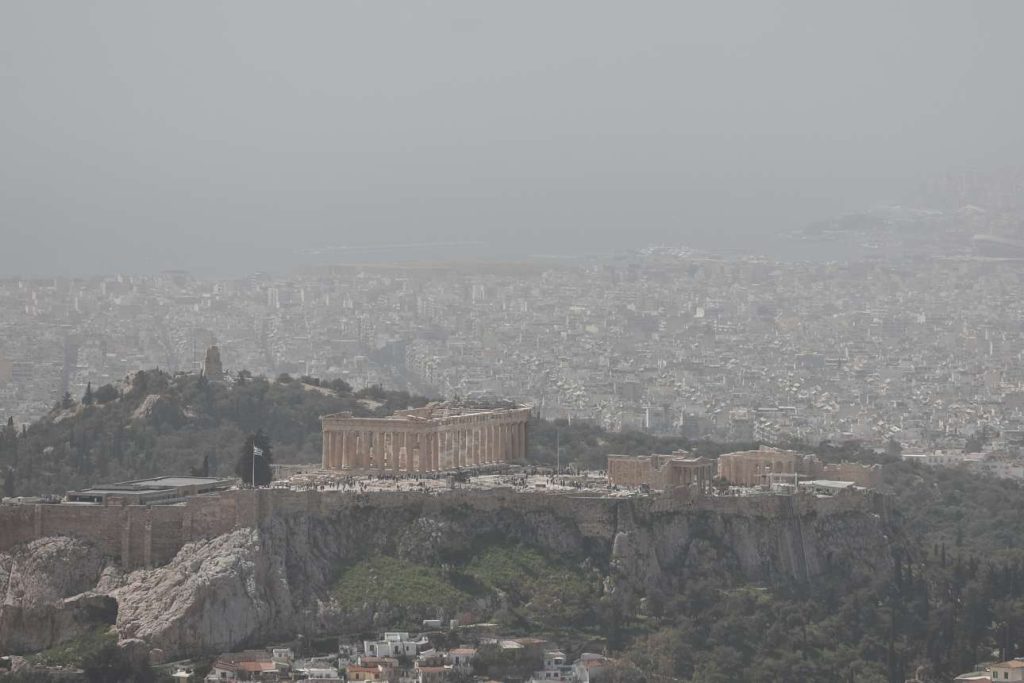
[[661, 472], [436, 437]]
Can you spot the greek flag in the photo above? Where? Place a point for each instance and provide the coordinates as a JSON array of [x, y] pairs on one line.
[[257, 451]]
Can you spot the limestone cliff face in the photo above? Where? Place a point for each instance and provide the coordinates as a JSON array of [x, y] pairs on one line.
[[660, 551], [211, 596], [45, 586], [255, 585]]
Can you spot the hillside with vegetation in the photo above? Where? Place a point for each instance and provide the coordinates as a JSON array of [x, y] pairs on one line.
[[159, 424], [954, 599]]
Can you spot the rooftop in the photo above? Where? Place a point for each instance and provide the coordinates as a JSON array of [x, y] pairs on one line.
[[150, 490], [158, 483]]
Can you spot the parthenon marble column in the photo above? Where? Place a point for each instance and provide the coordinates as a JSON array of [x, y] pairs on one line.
[[426, 452], [513, 442], [380, 459], [348, 447], [364, 449]]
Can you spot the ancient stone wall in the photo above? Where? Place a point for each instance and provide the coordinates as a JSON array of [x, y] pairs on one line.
[[17, 525], [868, 476], [145, 536], [661, 472]]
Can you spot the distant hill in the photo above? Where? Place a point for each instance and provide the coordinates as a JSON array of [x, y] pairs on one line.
[[156, 423]]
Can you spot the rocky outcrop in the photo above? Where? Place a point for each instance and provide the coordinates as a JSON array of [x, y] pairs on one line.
[[46, 589], [253, 585], [212, 596]]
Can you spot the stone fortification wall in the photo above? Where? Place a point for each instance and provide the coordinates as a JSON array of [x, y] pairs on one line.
[[136, 535], [17, 525], [141, 536], [245, 586], [145, 536], [868, 476], [778, 506]]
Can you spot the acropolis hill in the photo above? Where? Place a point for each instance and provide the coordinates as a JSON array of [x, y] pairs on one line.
[[196, 565], [243, 566], [150, 535]]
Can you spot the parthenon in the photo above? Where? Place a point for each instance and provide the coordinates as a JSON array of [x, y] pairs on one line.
[[436, 437]]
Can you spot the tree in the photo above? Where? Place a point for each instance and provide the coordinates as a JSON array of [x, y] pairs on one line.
[[111, 664], [140, 383], [251, 460], [203, 470], [106, 394], [974, 444], [340, 387], [10, 486], [9, 442], [67, 402], [88, 399]]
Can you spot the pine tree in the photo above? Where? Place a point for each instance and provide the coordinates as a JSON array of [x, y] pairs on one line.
[[87, 399]]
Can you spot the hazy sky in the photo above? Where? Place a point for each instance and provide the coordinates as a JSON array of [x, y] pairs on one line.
[[140, 135]]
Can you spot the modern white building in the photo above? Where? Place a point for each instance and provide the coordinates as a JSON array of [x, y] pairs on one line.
[[461, 658], [394, 644], [940, 458], [556, 669]]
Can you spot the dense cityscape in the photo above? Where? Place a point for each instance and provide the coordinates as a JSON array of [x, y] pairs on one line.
[[924, 349]]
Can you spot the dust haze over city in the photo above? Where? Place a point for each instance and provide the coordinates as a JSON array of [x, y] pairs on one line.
[[232, 137], [459, 341]]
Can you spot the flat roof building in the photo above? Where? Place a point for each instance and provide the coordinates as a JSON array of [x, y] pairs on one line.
[[155, 491]]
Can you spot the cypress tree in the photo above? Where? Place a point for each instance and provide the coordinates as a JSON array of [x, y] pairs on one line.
[[250, 461]]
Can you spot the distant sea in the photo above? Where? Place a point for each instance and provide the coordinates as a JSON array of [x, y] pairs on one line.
[[774, 247], [257, 256]]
